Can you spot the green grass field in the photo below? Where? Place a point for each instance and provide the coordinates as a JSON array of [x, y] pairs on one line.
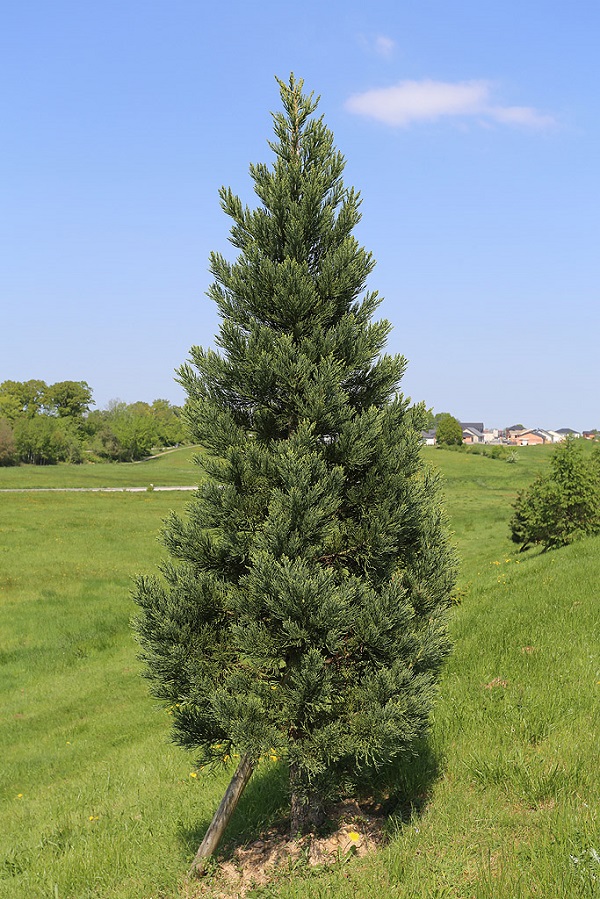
[[171, 468], [96, 802]]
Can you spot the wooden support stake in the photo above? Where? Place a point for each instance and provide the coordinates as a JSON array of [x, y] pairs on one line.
[[213, 835]]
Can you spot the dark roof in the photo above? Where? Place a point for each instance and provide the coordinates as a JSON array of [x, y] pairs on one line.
[[476, 425], [566, 431]]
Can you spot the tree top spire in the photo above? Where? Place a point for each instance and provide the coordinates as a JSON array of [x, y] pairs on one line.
[[297, 108]]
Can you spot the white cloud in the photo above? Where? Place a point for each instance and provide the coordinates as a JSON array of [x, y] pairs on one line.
[[520, 115], [415, 101], [384, 46]]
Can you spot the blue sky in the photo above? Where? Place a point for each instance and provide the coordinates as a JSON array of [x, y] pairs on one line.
[[472, 131]]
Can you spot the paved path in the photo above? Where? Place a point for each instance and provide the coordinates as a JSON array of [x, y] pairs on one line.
[[91, 489]]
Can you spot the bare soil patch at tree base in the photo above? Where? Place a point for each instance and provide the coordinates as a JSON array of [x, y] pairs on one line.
[[355, 831]]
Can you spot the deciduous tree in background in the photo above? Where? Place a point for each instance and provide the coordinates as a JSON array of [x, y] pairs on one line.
[[302, 610], [22, 398], [68, 399], [8, 447], [52, 423], [449, 431]]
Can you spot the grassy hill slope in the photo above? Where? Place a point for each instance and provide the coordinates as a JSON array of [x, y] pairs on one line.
[[95, 802]]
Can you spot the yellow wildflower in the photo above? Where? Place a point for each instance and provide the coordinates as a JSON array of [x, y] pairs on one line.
[[354, 836], [193, 774]]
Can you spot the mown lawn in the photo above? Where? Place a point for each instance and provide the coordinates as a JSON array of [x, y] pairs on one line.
[[172, 468], [95, 802]]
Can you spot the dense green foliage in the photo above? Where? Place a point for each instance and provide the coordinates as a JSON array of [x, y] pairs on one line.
[[124, 433], [27, 399], [43, 424], [303, 611], [8, 447], [562, 505], [449, 431]]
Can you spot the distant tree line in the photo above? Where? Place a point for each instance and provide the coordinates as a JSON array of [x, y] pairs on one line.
[[43, 424]]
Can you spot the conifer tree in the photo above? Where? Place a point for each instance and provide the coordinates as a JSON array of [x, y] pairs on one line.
[[562, 505], [301, 613]]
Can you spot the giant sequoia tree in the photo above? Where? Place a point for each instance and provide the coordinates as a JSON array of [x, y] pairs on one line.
[[302, 609]]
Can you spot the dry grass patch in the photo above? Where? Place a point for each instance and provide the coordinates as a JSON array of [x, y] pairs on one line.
[[356, 831]]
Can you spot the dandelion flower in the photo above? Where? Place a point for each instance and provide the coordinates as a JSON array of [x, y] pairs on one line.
[[193, 774], [354, 836], [19, 795]]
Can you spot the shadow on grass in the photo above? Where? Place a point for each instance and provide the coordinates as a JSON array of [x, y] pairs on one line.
[[400, 793], [263, 804], [409, 784]]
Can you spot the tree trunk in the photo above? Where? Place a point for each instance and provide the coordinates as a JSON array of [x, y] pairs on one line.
[[213, 835], [307, 811]]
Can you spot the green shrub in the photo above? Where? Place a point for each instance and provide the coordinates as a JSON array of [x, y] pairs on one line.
[[562, 506]]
